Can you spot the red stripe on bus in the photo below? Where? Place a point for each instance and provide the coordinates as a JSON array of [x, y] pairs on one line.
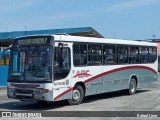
[[63, 93], [105, 73], [119, 69]]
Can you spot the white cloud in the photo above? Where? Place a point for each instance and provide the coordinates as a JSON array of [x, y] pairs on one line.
[[133, 4]]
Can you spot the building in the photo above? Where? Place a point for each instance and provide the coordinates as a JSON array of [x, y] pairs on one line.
[[7, 37], [158, 51], [158, 43]]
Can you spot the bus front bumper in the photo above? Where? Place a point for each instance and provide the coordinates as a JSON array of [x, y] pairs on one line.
[[28, 94]]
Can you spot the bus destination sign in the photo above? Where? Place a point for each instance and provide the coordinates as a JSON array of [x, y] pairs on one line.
[[32, 41]]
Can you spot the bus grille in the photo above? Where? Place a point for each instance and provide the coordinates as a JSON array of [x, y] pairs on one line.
[[24, 91], [24, 85]]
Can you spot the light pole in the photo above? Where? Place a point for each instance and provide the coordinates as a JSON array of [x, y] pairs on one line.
[[154, 36]]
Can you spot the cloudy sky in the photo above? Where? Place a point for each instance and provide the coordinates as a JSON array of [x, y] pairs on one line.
[[125, 19]]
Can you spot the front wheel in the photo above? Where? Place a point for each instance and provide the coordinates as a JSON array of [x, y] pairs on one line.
[[77, 95]]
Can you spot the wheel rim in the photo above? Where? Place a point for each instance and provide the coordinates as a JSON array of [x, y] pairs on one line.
[[132, 87], [76, 95]]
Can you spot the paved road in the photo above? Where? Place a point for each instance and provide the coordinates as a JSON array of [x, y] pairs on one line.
[[146, 99]]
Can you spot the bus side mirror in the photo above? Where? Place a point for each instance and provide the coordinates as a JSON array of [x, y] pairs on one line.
[[60, 46]]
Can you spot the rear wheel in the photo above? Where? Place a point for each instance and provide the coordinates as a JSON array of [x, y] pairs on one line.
[[77, 95], [132, 86]]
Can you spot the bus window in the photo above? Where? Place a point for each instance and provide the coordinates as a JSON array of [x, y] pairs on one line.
[[79, 54], [133, 55], [152, 54], [122, 54], [38, 63], [143, 54], [22, 61], [66, 58], [18, 57], [109, 54], [15, 61], [94, 54], [62, 71]]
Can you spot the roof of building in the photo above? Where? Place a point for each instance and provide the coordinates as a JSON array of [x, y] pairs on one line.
[[7, 37]]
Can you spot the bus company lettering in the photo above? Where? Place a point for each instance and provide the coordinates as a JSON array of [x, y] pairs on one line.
[[82, 74]]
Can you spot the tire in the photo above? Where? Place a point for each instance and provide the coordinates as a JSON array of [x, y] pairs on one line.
[[132, 86], [77, 95]]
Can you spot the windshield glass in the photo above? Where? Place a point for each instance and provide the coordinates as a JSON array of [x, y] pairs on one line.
[[31, 63]]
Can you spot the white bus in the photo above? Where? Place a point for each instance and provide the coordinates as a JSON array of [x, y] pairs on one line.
[[59, 67]]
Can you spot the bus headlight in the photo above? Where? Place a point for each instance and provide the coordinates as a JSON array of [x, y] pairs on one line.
[[10, 89]]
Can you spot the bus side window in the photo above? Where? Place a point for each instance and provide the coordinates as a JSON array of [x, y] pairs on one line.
[[122, 54], [109, 54], [94, 54], [144, 54], [133, 55], [79, 54], [152, 54]]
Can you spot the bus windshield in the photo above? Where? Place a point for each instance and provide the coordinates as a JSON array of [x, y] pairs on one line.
[[30, 64]]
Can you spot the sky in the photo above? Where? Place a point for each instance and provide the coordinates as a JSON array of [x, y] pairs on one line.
[[120, 19]]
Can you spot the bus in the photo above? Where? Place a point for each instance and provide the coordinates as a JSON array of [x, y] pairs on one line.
[[63, 67]]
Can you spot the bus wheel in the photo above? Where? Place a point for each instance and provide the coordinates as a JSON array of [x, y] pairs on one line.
[[132, 86], [77, 95]]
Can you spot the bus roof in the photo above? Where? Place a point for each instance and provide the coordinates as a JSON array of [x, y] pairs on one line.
[[68, 38]]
